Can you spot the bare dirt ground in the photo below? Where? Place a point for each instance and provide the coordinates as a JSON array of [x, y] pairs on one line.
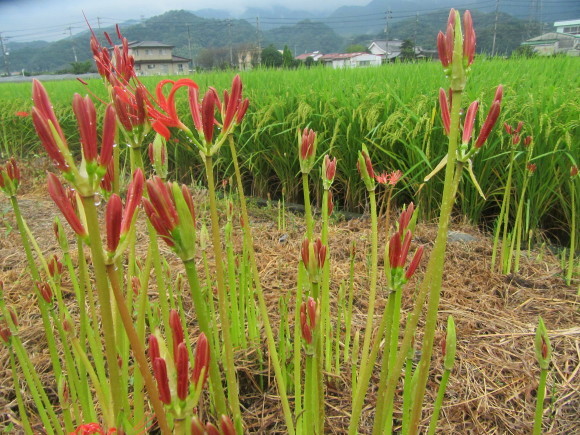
[[493, 384]]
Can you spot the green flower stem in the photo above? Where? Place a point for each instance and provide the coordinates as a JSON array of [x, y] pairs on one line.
[[104, 301], [407, 390], [572, 233], [439, 402], [233, 390], [103, 395], [540, 403], [234, 297], [365, 364], [366, 370], [21, 407], [298, 352], [326, 336], [215, 337], [384, 414], [138, 350], [348, 317], [22, 229], [204, 325], [503, 215], [516, 234], [433, 276], [307, 207], [249, 242]]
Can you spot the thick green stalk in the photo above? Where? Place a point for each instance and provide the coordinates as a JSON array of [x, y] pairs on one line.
[[365, 363], [204, 325], [572, 233], [326, 336], [434, 274], [503, 215], [104, 301], [307, 207], [21, 408], [249, 242], [438, 402], [540, 403], [138, 350], [233, 390]]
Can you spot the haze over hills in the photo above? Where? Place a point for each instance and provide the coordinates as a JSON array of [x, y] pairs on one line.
[[302, 31]]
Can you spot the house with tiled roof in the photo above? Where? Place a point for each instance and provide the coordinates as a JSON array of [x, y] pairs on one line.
[[315, 55], [156, 58], [351, 60], [565, 40]]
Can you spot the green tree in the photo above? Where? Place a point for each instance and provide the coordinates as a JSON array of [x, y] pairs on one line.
[[288, 58], [81, 67], [408, 50], [272, 57]]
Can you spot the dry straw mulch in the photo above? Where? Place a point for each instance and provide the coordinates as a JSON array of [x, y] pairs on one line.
[[493, 385]]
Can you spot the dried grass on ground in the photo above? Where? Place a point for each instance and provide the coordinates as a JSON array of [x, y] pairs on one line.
[[493, 385]]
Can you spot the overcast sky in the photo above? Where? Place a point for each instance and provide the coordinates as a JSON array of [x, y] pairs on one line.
[[27, 20]]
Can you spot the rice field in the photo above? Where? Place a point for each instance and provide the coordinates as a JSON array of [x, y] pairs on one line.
[[393, 110]]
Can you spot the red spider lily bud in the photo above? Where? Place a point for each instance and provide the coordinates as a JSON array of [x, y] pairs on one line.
[[313, 257], [508, 128], [542, 345], [328, 171], [153, 348], [161, 129], [516, 139], [330, 203], [177, 331], [86, 115], [528, 141], [242, 109], [108, 138], [450, 345], [134, 197], [305, 252], [195, 107], [5, 334], [405, 218], [107, 181], [55, 267], [369, 164], [113, 217], [520, 124], [13, 317], [45, 291], [414, 262], [208, 115], [469, 38], [136, 285], [320, 253], [309, 313], [405, 249], [531, 167], [233, 102], [189, 201], [141, 105], [227, 426], [469, 122], [197, 426], [202, 357], [59, 196], [490, 121], [444, 57], [307, 148], [210, 429], [160, 372], [182, 367], [444, 105], [162, 202], [50, 141], [573, 171], [13, 171], [394, 250], [10, 177], [122, 109]]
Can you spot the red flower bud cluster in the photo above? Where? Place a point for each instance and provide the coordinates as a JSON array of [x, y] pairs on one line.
[[313, 257], [307, 144], [226, 427], [309, 316], [446, 41], [400, 243], [10, 177]]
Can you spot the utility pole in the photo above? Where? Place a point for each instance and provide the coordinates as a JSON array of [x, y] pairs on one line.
[[416, 27], [258, 40], [495, 27], [4, 55], [99, 22], [69, 28], [189, 45]]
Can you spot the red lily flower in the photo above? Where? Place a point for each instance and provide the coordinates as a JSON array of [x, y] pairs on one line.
[[469, 122]]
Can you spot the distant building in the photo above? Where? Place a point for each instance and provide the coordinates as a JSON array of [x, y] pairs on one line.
[[156, 58], [571, 27], [315, 55], [351, 60], [391, 50], [565, 40]]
